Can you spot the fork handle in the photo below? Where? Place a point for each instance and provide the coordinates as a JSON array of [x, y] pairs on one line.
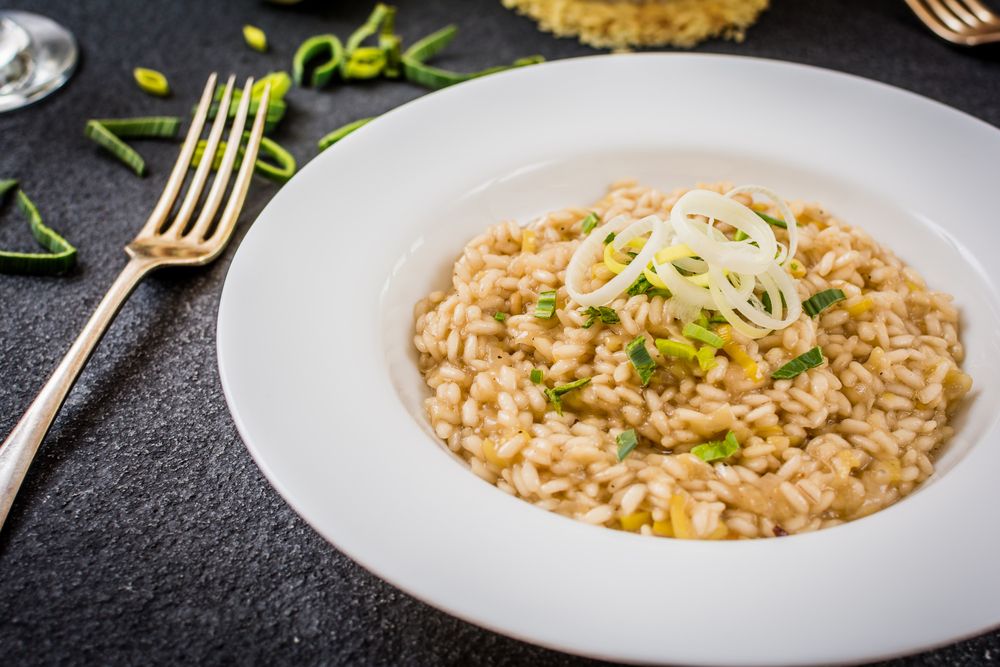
[[18, 450]]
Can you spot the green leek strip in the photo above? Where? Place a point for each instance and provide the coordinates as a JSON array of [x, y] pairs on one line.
[[371, 26], [772, 221], [429, 46], [280, 84], [641, 361], [590, 222], [820, 301], [500, 317], [546, 306], [392, 46], [706, 357], [672, 348], [627, 441], [700, 333], [327, 45], [555, 394], [537, 376], [151, 81], [105, 139], [800, 364], [61, 256], [255, 38], [280, 170], [366, 62], [718, 449], [609, 238], [341, 132], [605, 314], [165, 127], [436, 78]]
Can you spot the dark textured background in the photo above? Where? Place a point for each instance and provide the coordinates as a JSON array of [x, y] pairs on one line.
[[144, 532]]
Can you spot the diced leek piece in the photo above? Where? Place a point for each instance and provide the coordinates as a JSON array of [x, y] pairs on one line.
[[718, 449], [255, 38], [800, 364], [627, 441], [671, 348], [700, 332], [641, 361], [151, 81]]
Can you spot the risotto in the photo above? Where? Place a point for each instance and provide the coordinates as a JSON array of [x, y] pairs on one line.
[[646, 414]]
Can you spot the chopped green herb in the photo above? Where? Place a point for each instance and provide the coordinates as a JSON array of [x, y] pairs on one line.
[[641, 361], [555, 394], [609, 238], [605, 314], [772, 221], [536, 375], [627, 441], [151, 81], [61, 256], [706, 357], [800, 364], [500, 317], [671, 348], [640, 286], [718, 449], [546, 306], [699, 332], [255, 38], [820, 301], [590, 222]]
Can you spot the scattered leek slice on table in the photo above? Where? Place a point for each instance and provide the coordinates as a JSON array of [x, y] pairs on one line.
[[800, 364], [341, 132], [107, 133], [255, 38], [276, 106], [151, 81], [627, 441], [555, 394], [417, 71], [820, 301], [366, 62], [327, 45], [61, 256], [718, 449]]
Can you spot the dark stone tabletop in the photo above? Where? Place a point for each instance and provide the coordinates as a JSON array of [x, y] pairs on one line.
[[144, 533]]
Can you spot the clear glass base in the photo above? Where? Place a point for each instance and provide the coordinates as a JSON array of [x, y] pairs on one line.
[[37, 56]]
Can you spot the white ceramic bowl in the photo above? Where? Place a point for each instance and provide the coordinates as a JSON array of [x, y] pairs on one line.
[[317, 363]]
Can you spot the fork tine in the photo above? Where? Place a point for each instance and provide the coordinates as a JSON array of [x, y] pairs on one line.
[[985, 14], [176, 180], [197, 186], [232, 211], [964, 15], [211, 205], [946, 16], [931, 20]]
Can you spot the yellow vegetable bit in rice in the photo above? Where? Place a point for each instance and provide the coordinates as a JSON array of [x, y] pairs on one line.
[[680, 520], [635, 521], [626, 23]]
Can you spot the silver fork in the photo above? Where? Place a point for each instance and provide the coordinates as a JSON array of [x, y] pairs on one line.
[[167, 239], [965, 22]]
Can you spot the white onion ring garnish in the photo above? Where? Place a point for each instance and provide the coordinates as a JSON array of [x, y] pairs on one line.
[[727, 272], [592, 249]]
